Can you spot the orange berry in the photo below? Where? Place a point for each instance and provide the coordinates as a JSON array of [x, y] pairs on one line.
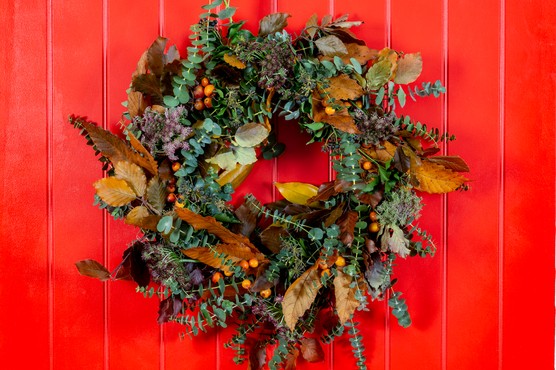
[[209, 89], [244, 264], [340, 261], [228, 272], [253, 262], [359, 104], [171, 198], [367, 165], [198, 92], [374, 227], [325, 273], [205, 81], [323, 265], [265, 293], [176, 166], [208, 102], [199, 105], [171, 188], [246, 284], [329, 110], [373, 216], [216, 277]]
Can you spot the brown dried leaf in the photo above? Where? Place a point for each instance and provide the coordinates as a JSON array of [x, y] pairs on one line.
[[133, 175], [311, 350], [257, 356], [330, 46], [347, 227], [155, 56], [141, 217], [156, 194], [346, 303], [326, 190], [371, 199], [273, 23], [94, 269], [300, 296], [149, 162], [214, 227], [135, 104], [312, 26], [343, 87], [114, 192], [291, 359], [334, 215], [271, 237], [247, 215], [340, 120], [142, 65], [453, 163], [210, 255], [149, 85], [345, 35], [384, 153], [436, 179], [409, 68], [233, 60]]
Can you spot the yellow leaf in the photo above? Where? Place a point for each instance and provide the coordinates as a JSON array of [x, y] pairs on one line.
[[235, 176], [141, 217], [234, 61], [133, 175], [297, 192], [300, 296], [114, 192], [345, 296], [434, 178]]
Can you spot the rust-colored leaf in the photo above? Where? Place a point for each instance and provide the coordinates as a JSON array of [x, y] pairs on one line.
[[300, 296], [409, 68], [346, 303], [247, 215], [214, 227], [325, 192], [291, 359], [234, 61], [156, 194], [94, 269], [114, 192], [155, 56], [141, 217], [271, 237], [334, 215], [311, 350], [384, 153], [216, 256], [340, 120], [343, 87], [133, 175], [453, 163], [135, 104], [148, 84], [257, 356], [347, 227], [149, 163], [142, 65], [371, 199], [436, 179]]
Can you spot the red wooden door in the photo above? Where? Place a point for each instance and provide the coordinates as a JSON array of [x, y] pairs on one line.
[[485, 301]]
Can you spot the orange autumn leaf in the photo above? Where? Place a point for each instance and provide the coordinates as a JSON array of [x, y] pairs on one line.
[[346, 303], [436, 179], [114, 192], [408, 68], [141, 217], [343, 87], [133, 175], [300, 296], [234, 61], [218, 256]]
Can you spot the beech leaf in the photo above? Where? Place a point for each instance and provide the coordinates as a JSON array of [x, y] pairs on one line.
[[225, 160], [135, 104], [114, 192], [216, 256], [435, 179], [149, 162], [155, 56], [273, 23], [347, 227], [94, 269], [297, 192], [133, 175], [271, 237], [148, 84], [330, 46], [409, 68], [141, 217], [454, 163], [379, 74], [235, 176], [156, 194], [311, 350], [343, 87], [300, 296], [251, 134], [234, 61], [312, 26], [393, 239], [346, 303]]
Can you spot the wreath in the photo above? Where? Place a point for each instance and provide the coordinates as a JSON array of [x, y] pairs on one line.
[[292, 273]]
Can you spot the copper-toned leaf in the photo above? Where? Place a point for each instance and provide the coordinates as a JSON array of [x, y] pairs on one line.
[[211, 256], [273, 23], [141, 217], [435, 179], [347, 227], [371, 199], [384, 153], [214, 227], [135, 104], [247, 215], [312, 26], [156, 194], [297, 192], [257, 356], [311, 350], [235, 176], [155, 56], [334, 215], [409, 68], [291, 359], [454, 163], [326, 190], [345, 35], [142, 65], [133, 175], [233, 60], [300, 296], [330, 46], [94, 269], [341, 119], [149, 162], [148, 84], [346, 303], [271, 237], [114, 192], [343, 87]]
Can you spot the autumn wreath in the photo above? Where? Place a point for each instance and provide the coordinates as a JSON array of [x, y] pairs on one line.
[[295, 271]]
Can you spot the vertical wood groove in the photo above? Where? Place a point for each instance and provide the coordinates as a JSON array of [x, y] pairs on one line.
[[105, 247], [50, 184], [445, 128]]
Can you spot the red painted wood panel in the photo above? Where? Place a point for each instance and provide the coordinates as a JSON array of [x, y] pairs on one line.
[[484, 301]]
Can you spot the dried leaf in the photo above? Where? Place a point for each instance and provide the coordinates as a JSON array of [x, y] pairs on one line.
[[330, 46], [94, 269], [138, 267], [409, 68], [326, 190], [453, 163], [384, 153], [155, 56], [142, 65], [114, 192], [311, 350], [346, 303], [135, 104], [334, 215], [312, 26], [379, 74], [345, 35], [214, 227], [435, 179], [347, 227], [247, 215], [257, 356], [300, 296], [371, 199], [251, 134], [297, 192], [271, 237], [234, 61], [393, 239], [149, 85], [149, 162], [169, 308], [141, 217], [156, 194], [343, 87], [230, 252], [235, 176], [291, 359], [273, 23], [133, 175], [341, 120]]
